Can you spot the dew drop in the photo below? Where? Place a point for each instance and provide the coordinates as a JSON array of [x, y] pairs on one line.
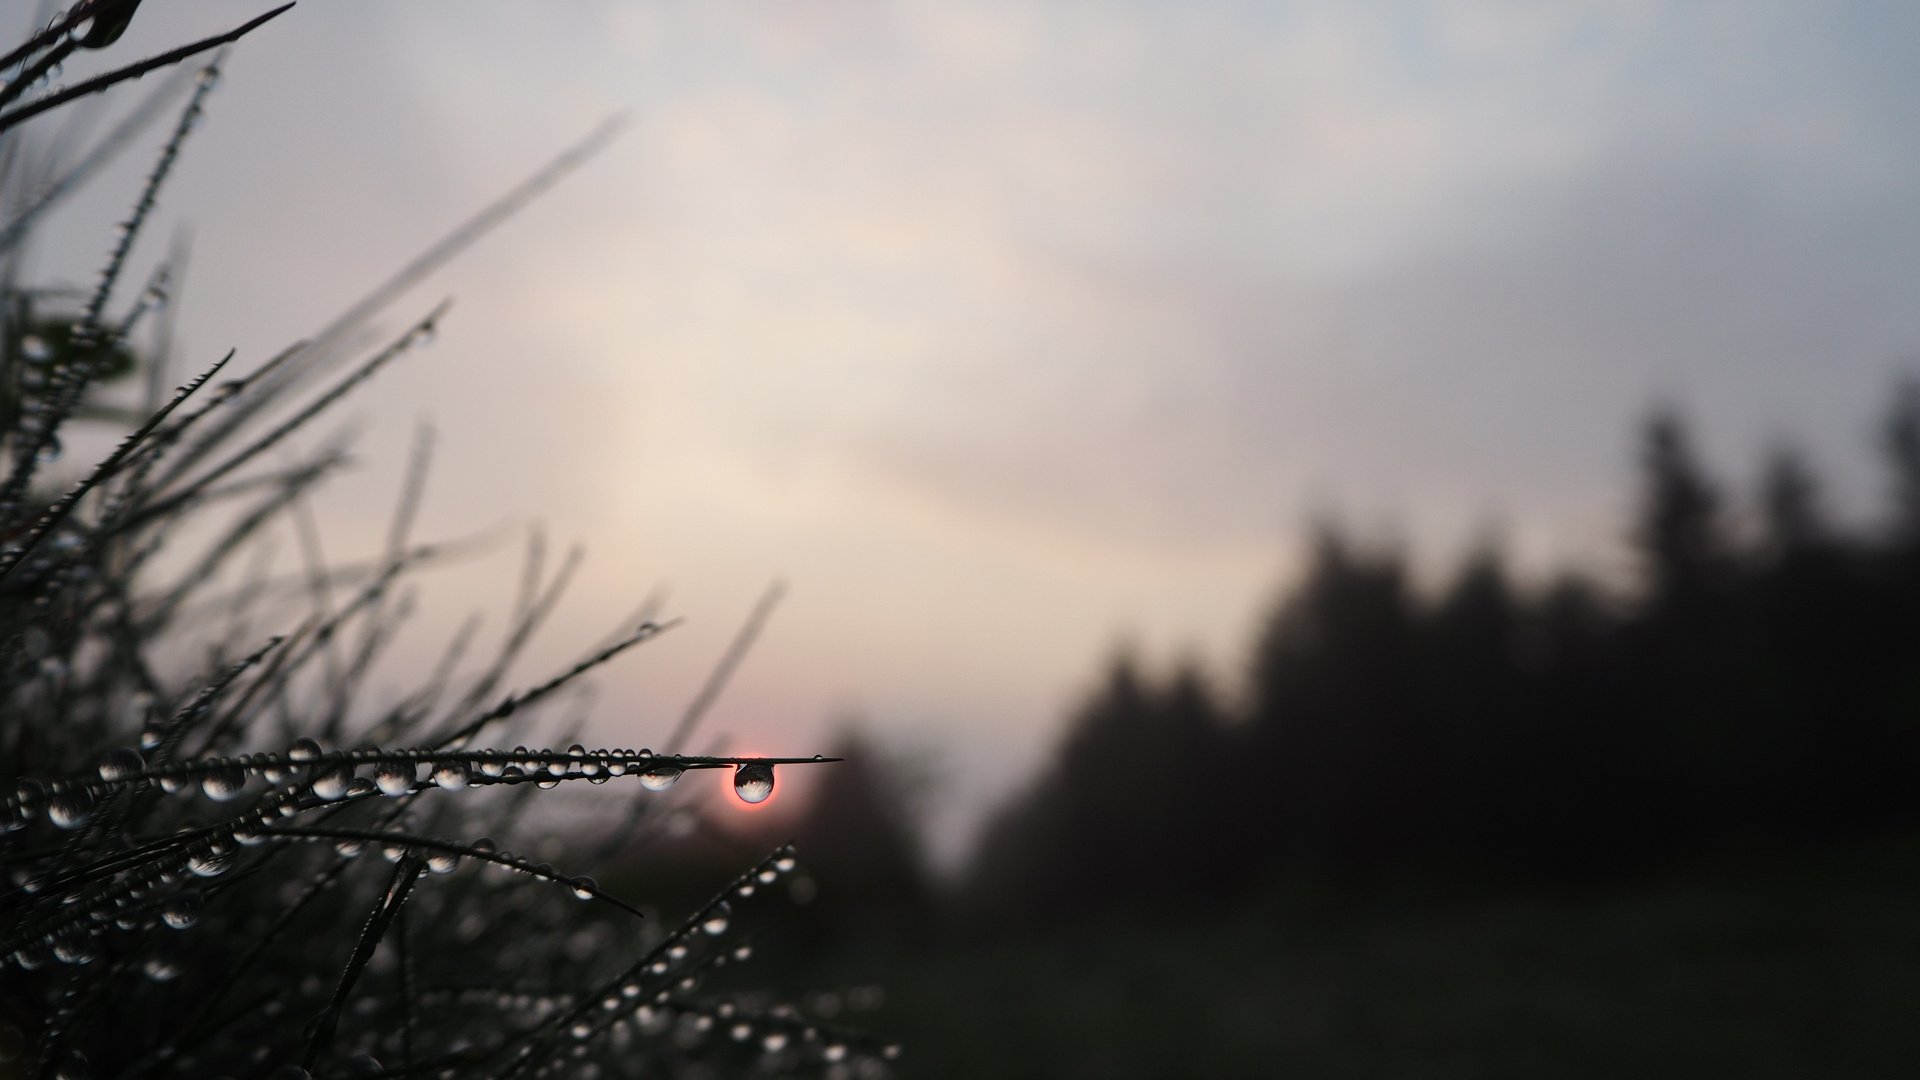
[[659, 777], [151, 737], [715, 923], [783, 864], [443, 862], [349, 849], [121, 764], [303, 750], [450, 774], [775, 1041], [766, 876], [71, 808], [31, 956], [395, 777], [209, 864], [835, 1052], [160, 970], [361, 788], [172, 783], [753, 782], [585, 887], [183, 910], [742, 1032], [492, 765], [333, 781], [74, 948], [224, 783]]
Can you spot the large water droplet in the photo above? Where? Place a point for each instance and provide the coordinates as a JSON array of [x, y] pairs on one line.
[[443, 862], [209, 864], [183, 910], [121, 764], [450, 774], [224, 783], [753, 782], [395, 777], [70, 808], [333, 781], [303, 750], [492, 764], [659, 777]]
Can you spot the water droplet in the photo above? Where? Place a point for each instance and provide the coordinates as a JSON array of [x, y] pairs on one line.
[[31, 956], [121, 764], [173, 782], [361, 788], [160, 970], [746, 889], [585, 887], [70, 808], [393, 853], [443, 862], [783, 864], [659, 777], [891, 1052], [224, 783], [183, 910], [395, 777], [835, 1052], [151, 737], [492, 764], [303, 750], [766, 876], [209, 864], [582, 1029], [333, 781], [753, 782], [576, 751], [715, 923], [775, 1041], [74, 948], [743, 952], [450, 774], [548, 784], [742, 1032], [349, 849]]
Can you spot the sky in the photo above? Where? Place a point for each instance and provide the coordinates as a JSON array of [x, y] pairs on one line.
[[1006, 333]]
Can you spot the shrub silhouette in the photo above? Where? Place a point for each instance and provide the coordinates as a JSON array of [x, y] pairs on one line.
[[223, 873]]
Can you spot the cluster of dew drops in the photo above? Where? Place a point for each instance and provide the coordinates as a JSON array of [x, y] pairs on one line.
[[69, 804]]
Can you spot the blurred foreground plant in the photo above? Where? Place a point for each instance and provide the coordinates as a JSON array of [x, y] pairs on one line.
[[223, 874]]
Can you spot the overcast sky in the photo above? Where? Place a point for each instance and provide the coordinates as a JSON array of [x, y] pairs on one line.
[[1006, 331]]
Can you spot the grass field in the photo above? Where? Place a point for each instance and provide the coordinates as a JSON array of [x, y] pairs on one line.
[[1767, 971]]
